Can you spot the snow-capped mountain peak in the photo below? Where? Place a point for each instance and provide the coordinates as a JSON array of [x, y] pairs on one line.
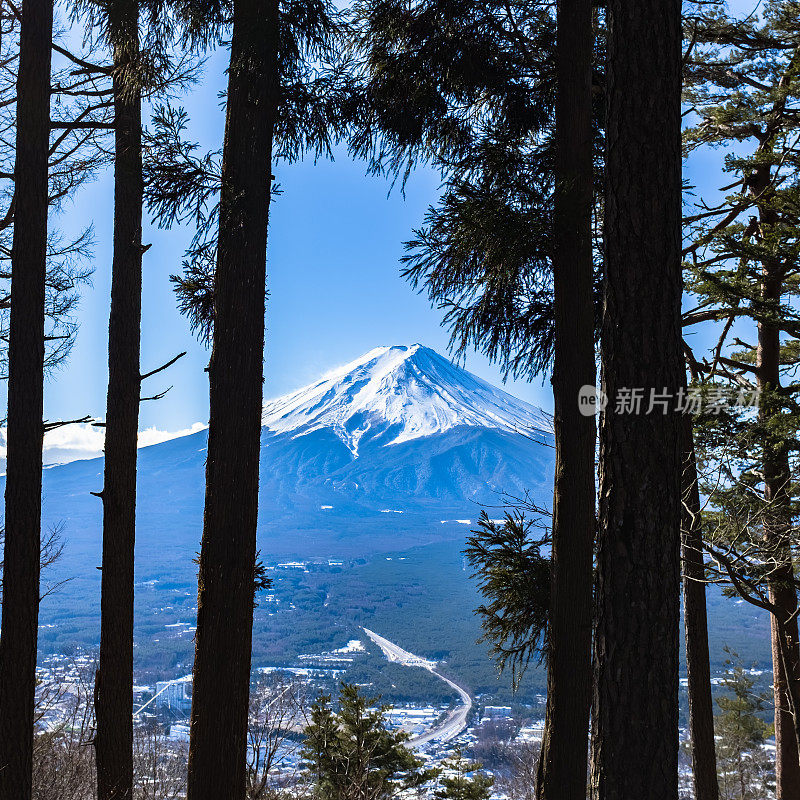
[[394, 394]]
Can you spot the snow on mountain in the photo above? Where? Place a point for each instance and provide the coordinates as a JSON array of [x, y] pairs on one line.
[[328, 489], [327, 483], [395, 394]]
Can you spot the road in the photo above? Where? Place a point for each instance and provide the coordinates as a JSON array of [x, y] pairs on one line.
[[456, 719]]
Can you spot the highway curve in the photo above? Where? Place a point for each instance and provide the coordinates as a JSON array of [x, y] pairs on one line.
[[456, 719]]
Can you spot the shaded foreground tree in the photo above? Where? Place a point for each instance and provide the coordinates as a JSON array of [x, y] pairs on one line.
[[474, 99], [503, 108], [136, 67], [514, 578], [635, 743], [64, 101], [25, 405], [563, 759], [228, 551], [284, 99], [743, 83], [695, 620], [73, 157], [113, 689]]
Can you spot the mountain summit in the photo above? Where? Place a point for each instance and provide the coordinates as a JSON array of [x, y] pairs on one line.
[[400, 448], [395, 394]]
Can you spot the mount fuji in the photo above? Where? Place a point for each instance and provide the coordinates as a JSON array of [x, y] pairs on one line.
[[400, 427], [371, 479], [395, 394], [400, 448]]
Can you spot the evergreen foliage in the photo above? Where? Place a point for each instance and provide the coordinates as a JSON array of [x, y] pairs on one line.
[[463, 780], [514, 577], [742, 83], [745, 769], [469, 89], [314, 107], [350, 754], [743, 266]]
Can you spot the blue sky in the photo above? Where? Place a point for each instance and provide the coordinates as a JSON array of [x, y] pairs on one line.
[[336, 236]]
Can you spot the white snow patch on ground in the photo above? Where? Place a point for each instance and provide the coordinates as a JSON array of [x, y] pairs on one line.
[[353, 646]]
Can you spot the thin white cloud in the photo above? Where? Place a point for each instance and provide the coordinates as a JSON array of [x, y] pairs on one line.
[[72, 443], [83, 441], [154, 436]]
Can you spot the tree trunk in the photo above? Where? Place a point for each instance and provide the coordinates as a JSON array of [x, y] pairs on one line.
[[563, 759], [778, 523], [227, 559], [23, 501], [114, 679], [695, 621], [635, 728]]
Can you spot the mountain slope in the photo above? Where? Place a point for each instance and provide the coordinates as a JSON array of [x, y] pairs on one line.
[[395, 394], [376, 472], [392, 451], [400, 427]]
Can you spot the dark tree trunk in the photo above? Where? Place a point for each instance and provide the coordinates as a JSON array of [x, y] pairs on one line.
[[635, 746], [695, 621], [114, 679], [778, 523], [227, 559], [563, 760], [23, 512]]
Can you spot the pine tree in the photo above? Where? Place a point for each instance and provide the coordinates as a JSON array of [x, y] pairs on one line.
[[469, 89], [498, 98], [281, 102], [463, 780], [136, 67], [635, 747], [76, 119], [25, 403], [514, 577], [743, 258], [744, 767], [228, 551], [77, 153], [350, 754], [695, 616], [120, 20], [563, 761], [114, 678]]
